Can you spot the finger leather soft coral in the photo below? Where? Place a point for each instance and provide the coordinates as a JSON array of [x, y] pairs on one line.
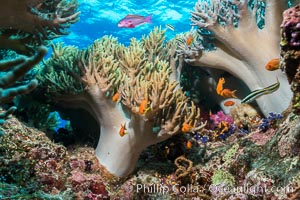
[[30, 23], [151, 106], [243, 46]]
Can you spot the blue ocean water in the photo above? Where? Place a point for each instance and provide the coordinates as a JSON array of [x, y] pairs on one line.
[[100, 17]]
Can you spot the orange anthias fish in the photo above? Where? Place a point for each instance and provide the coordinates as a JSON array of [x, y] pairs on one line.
[[220, 85], [224, 126], [189, 40], [122, 130], [186, 127], [227, 93], [273, 64], [143, 106], [229, 103], [116, 96], [189, 144]]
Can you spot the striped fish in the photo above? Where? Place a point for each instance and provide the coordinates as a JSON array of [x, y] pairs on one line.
[[257, 93], [169, 26]]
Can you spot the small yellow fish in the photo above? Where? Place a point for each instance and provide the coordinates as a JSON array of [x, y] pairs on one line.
[[116, 96], [189, 144], [122, 130], [273, 64]]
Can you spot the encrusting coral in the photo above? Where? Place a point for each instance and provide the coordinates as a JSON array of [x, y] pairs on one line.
[[34, 167], [290, 52], [245, 35], [129, 92], [28, 24]]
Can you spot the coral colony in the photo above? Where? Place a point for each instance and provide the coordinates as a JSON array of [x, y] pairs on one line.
[[148, 95], [240, 46], [132, 131]]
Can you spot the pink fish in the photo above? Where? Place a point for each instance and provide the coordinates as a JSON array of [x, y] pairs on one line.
[[131, 21]]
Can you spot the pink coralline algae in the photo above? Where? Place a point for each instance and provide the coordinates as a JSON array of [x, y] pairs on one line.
[[221, 117], [291, 26], [260, 138]]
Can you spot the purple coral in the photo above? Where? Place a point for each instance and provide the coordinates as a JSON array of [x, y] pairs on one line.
[[228, 133], [203, 139], [224, 123], [274, 116], [221, 117], [267, 122], [264, 125]]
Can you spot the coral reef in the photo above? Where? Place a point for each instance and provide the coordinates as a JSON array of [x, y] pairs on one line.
[[235, 169], [242, 44], [33, 167], [290, 52], [28, 24], [133, 94], [130, 91], [290, 137]]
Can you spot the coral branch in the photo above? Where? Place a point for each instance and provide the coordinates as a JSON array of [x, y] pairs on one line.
[[5, 114], [17, 69], [30, 23], [21, 69]]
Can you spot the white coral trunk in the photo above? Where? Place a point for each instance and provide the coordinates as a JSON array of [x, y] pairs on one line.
[[119, 154]]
